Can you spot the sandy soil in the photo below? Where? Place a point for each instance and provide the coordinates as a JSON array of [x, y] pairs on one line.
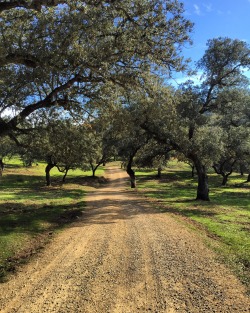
[[122, 256]]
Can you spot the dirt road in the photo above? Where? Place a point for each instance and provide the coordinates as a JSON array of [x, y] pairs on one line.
[[124, 257]]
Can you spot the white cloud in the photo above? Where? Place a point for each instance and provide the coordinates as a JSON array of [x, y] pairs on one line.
[[220, 12], [197, 9], [228, 12], [208, 7]]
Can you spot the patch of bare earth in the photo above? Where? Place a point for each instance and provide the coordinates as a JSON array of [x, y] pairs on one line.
[[122, 256]]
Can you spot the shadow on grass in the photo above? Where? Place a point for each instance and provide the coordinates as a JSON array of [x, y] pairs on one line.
[[232, 199], [35, 222], [36, 218], [15, 166], [49, 193], [31, 180], [96, 181], [192, 212], [20, 181], [35, 212], [182, 188], [166, 177]]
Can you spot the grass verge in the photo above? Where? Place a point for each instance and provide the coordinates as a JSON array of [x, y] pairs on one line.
[[226, 218], [30, 212]]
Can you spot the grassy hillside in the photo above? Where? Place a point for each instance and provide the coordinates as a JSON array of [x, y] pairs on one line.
[[30, 211], [226, 218]]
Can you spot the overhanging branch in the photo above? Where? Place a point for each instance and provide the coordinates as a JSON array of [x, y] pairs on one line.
[[34, 5]]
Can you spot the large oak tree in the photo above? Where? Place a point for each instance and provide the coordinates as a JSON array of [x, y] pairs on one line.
[[194, 121], [59, 53]]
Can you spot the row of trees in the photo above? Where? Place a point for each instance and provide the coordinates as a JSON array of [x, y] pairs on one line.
[[80, 82], [206, 125], [62, 144]]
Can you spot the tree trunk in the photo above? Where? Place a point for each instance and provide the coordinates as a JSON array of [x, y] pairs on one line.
[[1, 167], [159, 172], [221, 171], [28, 163], [47, 171], [64, 176], [93, 172], [224, 180], [50, 165], [202, 189], [94, 168], [241, 170], [131, 173], [248, 178], [192, 173]]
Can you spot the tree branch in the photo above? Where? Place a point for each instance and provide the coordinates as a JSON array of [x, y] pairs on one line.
[[34, 5], [15, 58], [50, 101]]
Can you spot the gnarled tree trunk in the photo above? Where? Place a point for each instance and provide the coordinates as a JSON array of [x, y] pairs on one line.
[[64, 176], [131, 173], [49, 167], [224, 180], [95, 167], [221, 170], [47, 171], [202, 189], [193, 171]]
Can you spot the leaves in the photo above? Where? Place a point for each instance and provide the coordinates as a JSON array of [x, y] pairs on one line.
[[49, 51]]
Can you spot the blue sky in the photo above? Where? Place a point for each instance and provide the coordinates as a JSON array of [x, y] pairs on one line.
[[216, 18]]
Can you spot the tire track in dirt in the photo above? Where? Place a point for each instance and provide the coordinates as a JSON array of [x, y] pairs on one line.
[[122, 256]]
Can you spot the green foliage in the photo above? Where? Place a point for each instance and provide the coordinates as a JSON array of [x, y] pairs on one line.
[[66, 143], [8, 149], [71, 145], [223, 63], [195, 120], [61, 55]]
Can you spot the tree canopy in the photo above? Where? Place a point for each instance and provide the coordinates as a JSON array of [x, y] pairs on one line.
[[101, 61], [194, 121], [59, 53]]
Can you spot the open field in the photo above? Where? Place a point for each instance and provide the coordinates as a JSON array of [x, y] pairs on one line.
[[30, 211], [226, 218]]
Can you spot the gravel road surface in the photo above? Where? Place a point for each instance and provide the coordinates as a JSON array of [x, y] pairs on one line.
[[122, 256]]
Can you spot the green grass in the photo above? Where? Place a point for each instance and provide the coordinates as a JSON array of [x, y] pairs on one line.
[[31, 211], [226, 218]]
